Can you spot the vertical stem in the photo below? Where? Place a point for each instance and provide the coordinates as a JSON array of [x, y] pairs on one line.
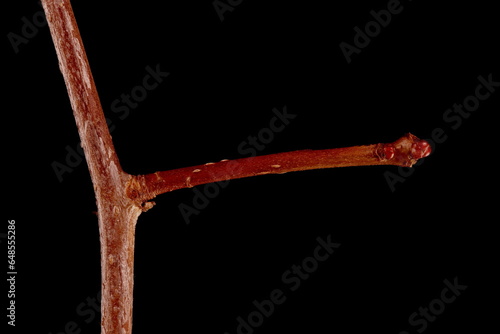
[[74, 66], [117, 233], [117, 214]]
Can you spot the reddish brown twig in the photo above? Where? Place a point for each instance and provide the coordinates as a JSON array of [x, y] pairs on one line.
[[116, 213], [122, 197], [403, 152]]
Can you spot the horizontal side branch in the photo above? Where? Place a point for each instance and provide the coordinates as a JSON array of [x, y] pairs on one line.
[[403, 152]]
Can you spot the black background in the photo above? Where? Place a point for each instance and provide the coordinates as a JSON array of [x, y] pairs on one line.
[[397, 247]]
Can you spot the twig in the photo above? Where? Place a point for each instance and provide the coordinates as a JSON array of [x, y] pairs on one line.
[[122, 197], [117, 214], [403, 152]]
